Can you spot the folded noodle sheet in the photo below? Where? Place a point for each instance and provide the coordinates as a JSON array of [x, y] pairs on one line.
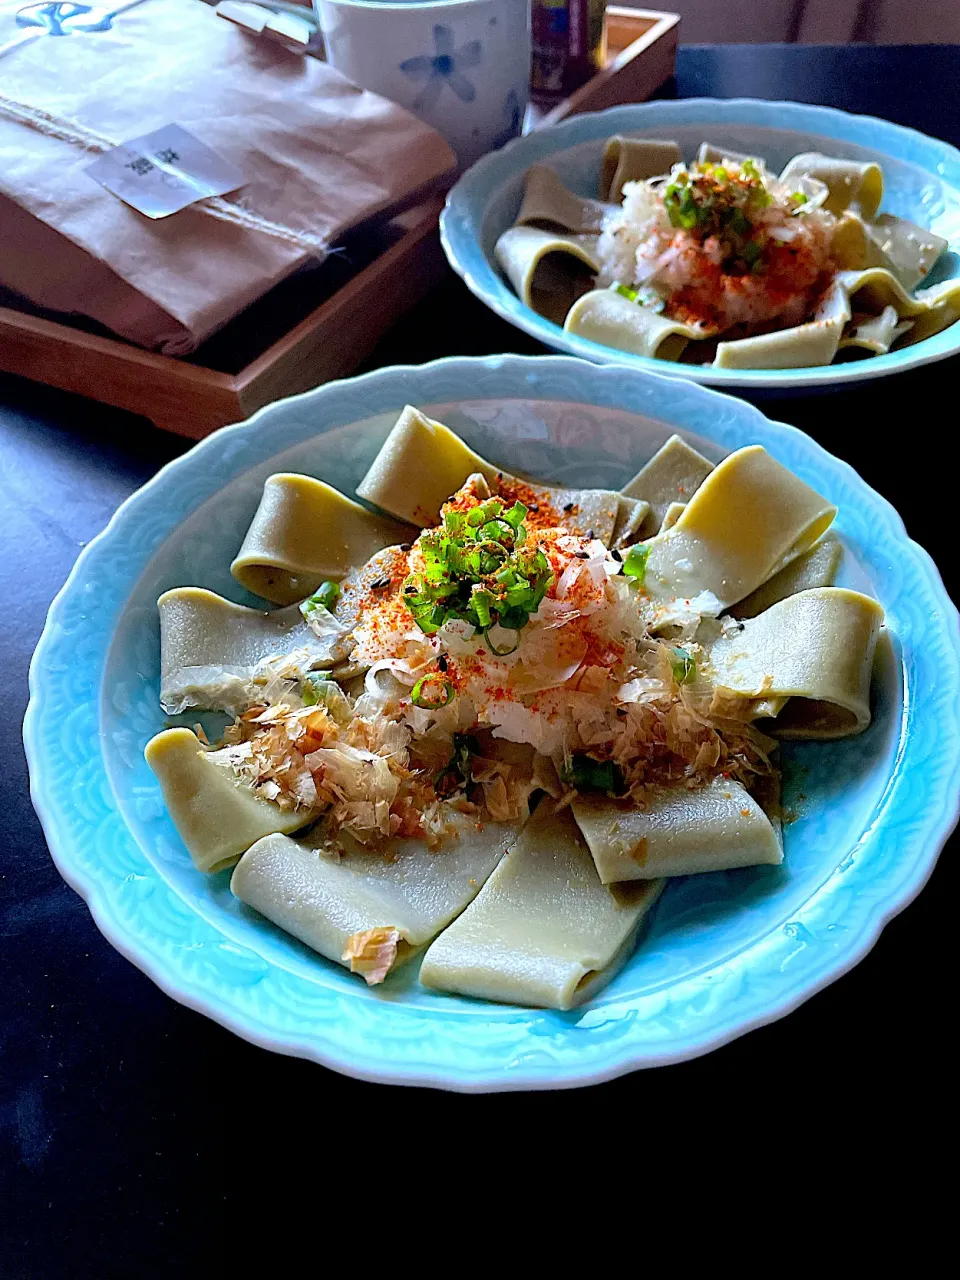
[[407, 890], [422, 462], [544, 931], [217, 815], [209, 648], [679, 832], [306, 532], [320, 156], [749, 519], [815, 648]]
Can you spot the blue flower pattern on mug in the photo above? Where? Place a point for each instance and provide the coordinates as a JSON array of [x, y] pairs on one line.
[[62, 19], [514, 118], [446, 66]]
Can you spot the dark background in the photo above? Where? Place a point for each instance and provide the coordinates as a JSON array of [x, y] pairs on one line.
[[139, 1139]]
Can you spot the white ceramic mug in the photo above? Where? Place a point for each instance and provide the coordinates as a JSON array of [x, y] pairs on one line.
[[463, 66]]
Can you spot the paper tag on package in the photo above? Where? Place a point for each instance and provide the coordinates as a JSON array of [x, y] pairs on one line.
[[164, 171]]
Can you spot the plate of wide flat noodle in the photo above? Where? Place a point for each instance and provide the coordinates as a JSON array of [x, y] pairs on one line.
[[739, 243], [505, 723]]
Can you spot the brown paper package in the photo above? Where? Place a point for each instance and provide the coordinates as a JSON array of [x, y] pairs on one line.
[[321, 157]]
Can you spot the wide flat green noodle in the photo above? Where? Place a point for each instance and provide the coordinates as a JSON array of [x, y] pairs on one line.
[[875, 288], [672, 515], [908, 251], [799, 347], [551, 206], [709, 154], [217, 815], [875, 334], [749, 518], [627, 159], [942, 302], [422, 463], [674, 474], [848, 182], [815, 648], [850, 246], [816, 343], [681, 831], [548, 271], [305, 533], [543, 931], [408, 887], [815, 568], [606, 317], [210, 646], [633, 516], [931, 309]]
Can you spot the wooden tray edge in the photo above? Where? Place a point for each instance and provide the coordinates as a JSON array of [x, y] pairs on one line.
[[193, 401]]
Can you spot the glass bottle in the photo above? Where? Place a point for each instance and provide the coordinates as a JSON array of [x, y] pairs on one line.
[[568, 46]]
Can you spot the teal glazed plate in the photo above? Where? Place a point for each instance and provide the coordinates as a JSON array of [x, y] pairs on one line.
[[921, 181], [721, 954]]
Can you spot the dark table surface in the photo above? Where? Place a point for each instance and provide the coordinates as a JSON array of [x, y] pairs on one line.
[[134, 1130]]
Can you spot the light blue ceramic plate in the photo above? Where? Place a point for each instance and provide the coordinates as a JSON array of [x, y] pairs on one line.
[[922, 181], [723, 952]]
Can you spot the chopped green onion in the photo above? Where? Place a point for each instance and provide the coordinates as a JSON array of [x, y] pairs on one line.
[[587, 774], [719, 173], [683, 666], [477, 568], [648, 297], [459, 768], [311, 687], [751, 252], [497, 530], [423, 695], [492, 509], [481, 601], [506, 650], [514, 619], [520, 595], [738, 223], [325, 597], [635, 562], [515, 516], [681, 205], [798, 197], [626, 292]]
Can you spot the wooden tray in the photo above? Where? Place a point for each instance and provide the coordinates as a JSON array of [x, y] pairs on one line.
[[193, 397]]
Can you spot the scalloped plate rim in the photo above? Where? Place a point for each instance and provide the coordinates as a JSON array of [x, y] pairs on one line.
[[469, 190], [180, 987]]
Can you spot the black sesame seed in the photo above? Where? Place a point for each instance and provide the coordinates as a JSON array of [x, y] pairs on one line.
[[583, 555], [533, 507], [380, 584], [442, 662], [590, 535], [617, 555], [568, 506], [406, 546]]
